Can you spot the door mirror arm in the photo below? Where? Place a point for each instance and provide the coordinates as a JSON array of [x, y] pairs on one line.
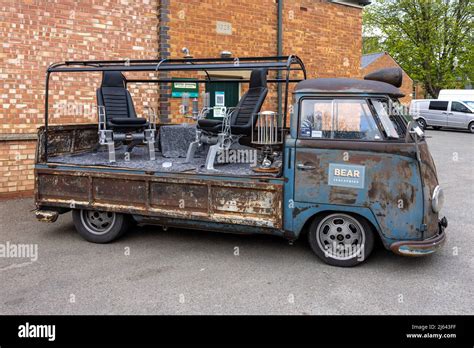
[[416, 134]]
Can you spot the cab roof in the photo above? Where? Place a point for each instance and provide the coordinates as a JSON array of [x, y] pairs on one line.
[[347, 86]]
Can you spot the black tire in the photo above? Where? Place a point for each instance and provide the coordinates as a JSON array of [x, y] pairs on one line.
[[422, 123], [354, 251], [471, 127], [100, 227], [436, 127]]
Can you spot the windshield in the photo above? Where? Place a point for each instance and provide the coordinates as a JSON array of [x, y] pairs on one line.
[[470, 104], [338, 119]]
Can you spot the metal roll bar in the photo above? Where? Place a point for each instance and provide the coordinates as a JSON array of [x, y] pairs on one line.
[[275, 63]]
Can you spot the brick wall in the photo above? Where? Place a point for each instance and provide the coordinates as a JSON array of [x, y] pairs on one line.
[[37, 33], [326, 36], [16, 167], [386, 61]]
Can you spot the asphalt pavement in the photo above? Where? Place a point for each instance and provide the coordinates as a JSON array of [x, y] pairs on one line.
[[151, 271]]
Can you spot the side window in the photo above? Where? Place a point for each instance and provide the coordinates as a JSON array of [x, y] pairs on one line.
[[458, 107], [337, 119], [439, 105], [387, 123]]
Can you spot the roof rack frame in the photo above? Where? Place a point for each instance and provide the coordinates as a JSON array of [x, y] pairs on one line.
[[291, 63]]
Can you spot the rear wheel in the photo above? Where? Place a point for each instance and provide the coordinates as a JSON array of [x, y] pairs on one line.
[[341, 239], [422, 123], [100, 226], [471, 127]]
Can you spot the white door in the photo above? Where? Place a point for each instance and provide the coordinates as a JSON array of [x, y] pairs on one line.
[[459, 115], [437, 114]]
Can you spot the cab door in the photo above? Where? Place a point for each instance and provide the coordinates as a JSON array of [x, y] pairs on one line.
[[343, 161], [336, 123]]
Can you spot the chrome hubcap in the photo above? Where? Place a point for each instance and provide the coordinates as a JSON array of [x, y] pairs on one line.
[[341, 237], [97, 222]]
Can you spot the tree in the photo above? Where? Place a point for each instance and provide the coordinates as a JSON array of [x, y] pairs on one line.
[[432, 40]]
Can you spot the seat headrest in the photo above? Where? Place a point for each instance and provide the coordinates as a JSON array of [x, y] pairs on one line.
[[258, 78], [113, 79]]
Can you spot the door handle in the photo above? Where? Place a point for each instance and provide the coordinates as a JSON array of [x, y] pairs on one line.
[[302, 166]]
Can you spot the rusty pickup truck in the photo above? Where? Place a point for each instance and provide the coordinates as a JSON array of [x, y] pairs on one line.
[[346, 168]]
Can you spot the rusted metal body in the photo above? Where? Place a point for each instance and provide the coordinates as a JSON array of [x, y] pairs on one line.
[[332, 86], [246, 203], [396, 192], [392, 182], [66, 139], [153, 197], [419, 248]]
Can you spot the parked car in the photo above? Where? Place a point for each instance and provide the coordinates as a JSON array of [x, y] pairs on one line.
[[443, 113]]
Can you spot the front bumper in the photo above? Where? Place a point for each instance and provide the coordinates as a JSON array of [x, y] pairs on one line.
[[422, 247]]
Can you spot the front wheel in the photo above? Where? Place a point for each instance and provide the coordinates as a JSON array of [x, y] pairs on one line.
[[471, 127], [100, 226], [341, 239], [422, 123]]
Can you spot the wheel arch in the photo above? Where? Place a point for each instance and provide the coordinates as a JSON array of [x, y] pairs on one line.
[[422, 118], [364, 213]]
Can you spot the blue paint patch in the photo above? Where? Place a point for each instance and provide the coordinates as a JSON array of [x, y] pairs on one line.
[[346, 175]]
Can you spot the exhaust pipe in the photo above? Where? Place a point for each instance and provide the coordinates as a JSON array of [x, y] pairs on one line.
[[46, 215]]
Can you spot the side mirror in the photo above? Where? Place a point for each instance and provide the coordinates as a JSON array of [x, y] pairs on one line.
[[414, 130]]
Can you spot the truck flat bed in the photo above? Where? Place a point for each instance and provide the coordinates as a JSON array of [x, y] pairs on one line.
[[139, 160], [76, 175], [247, 201]]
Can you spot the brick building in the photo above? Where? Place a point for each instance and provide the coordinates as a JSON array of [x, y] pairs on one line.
[[326, 34], [375, 61]]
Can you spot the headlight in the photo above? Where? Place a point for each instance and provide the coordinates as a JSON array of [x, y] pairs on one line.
[[438, 199]]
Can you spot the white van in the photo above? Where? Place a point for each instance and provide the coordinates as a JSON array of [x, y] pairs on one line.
[[464, 95], [442, 113]]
